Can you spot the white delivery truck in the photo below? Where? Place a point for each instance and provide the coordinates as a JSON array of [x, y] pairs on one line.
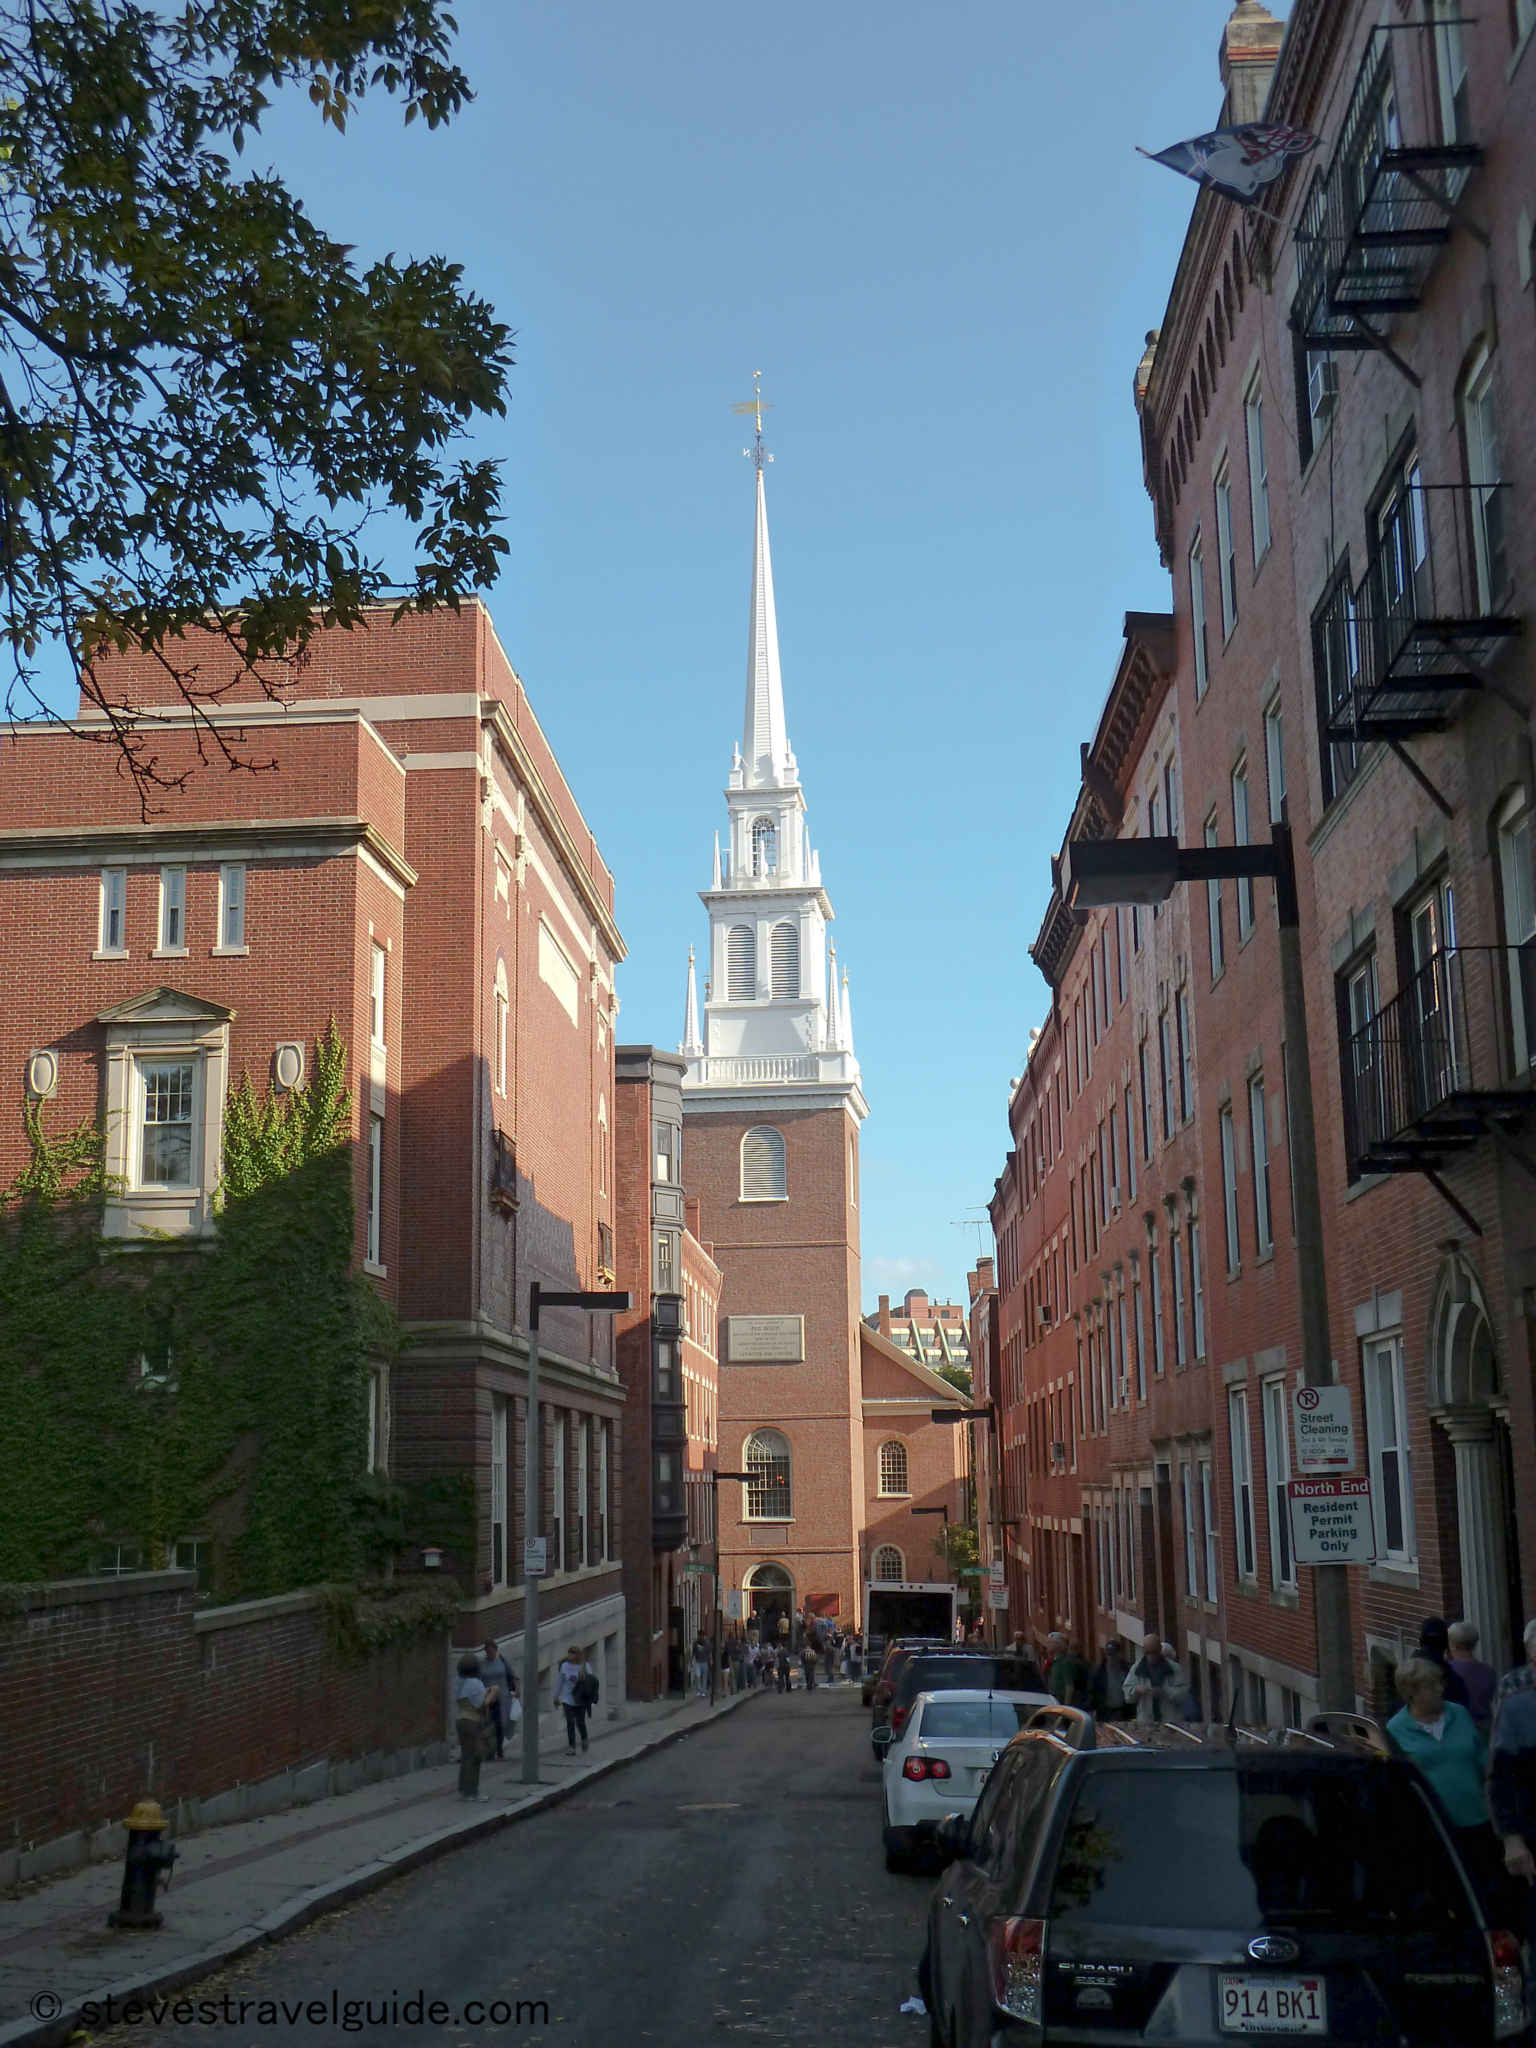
[[895, 1608]]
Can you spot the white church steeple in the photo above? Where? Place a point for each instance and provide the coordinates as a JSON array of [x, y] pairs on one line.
[[773, 1013]]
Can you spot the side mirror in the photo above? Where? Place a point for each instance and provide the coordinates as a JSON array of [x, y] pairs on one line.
[[952, 1836]]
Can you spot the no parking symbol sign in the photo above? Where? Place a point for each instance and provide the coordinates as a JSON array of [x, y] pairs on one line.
[[1325, 1429]]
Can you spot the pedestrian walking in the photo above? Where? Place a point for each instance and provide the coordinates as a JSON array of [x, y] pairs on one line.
[[1521, 1679], [700, 1668], [783, 1630], [1512, 1795], [828, 1652], [469, 1724], [1434, 1643], [781, 1662], [1479, 1679], [1107, 1686], [1154, 1685], [500, 1692], [1442, 1739], [808, 1660], [576, 1692], [1071, 1681]]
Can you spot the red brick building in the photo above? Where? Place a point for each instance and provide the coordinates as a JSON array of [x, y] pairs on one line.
[[772, 1103], [417, 868], [1336, 418], [667, 1360], [937, 1333]]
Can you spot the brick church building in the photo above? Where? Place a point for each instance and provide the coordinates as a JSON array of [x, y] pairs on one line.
[[833, 1420]]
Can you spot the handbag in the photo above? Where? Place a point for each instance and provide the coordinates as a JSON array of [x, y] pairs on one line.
[[514, 1711]]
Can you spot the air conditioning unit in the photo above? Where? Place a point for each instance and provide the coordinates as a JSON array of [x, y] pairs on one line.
[[1059, 1453], [1043, 1314], [1322, 385]]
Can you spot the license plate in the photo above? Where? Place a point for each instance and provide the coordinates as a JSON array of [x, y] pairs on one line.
[[1272, 2005]]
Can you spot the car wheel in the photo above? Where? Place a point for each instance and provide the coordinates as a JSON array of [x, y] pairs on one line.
[[898, 1850]]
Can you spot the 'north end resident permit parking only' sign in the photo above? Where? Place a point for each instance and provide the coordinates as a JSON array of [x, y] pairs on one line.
[[1325, 1429], [1331, 1521]]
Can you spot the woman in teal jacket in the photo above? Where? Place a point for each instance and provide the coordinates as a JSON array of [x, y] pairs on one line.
[[1448, 1747]]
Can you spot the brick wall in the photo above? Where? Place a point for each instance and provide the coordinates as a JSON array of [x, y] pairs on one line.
[[165, 1699]]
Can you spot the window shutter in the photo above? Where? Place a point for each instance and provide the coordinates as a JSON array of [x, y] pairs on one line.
[[762, 1165], [740, 963], [784, 960]]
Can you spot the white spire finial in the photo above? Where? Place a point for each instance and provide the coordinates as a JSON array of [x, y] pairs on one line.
[[715, 882], [846, 1010], [690, 1046], [767, 761]]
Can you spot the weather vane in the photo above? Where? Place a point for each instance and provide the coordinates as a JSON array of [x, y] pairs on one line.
[[757, 406]]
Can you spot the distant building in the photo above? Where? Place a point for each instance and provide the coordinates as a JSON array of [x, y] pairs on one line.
[[937, 1333]]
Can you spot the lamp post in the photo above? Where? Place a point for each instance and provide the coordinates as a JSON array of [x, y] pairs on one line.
[[1093, 874], [714, 1516], [534, 1563]]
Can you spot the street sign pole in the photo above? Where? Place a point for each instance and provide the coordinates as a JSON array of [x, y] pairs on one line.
[[532, 1494]]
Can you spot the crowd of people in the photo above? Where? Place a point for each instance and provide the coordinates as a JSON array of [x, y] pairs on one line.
[[770, 1652]]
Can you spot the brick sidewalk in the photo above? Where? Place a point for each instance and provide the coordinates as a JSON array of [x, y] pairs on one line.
[[254, 1881]]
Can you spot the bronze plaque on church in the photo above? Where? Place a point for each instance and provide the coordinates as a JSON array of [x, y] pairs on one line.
[[764, 1340]]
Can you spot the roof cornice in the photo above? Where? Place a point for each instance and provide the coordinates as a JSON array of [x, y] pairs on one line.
[[496, 719], [216, 839]]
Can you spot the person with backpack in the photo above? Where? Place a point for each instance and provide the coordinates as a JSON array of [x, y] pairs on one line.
[[576, 1690]]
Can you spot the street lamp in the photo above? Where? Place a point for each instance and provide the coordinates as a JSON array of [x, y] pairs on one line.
[[1093, 874], [535, 1561], [714, 1516]]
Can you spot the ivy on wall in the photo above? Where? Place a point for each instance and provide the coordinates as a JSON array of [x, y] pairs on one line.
[[166, 1390]]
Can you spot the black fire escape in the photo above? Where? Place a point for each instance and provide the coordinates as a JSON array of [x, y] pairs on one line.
[[1375, 222]]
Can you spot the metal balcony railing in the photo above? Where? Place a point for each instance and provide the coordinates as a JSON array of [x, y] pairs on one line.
[[1443, 1063], [1370, 234], [1431, 614]]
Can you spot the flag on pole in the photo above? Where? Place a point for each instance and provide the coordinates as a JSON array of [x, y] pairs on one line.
[[1238, 162]]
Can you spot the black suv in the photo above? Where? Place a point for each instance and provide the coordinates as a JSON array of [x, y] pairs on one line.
[[948, 1670], [1200, 1894]]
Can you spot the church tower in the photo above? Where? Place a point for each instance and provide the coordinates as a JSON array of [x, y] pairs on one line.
[[772, 1104]]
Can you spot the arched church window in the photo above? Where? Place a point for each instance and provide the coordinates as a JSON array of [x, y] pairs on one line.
[[893, 1467], [740, 963], [764, 1176], [889, 1566], [784, 960], [767, 1459], [765, 847]]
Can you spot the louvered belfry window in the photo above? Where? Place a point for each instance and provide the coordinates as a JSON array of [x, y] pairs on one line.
[[784, 960], [741, 963], [763, 1177]]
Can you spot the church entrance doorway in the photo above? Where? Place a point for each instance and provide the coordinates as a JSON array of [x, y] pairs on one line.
[[770, 1595]]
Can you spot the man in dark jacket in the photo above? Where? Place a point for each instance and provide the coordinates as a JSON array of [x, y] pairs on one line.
[[1435, 1644], [1512, 1795]]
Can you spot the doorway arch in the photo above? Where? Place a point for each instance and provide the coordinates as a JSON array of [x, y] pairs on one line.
[[1467, 1398], [770, 1593]]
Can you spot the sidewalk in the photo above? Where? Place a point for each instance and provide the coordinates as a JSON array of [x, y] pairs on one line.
[[254, 1881]]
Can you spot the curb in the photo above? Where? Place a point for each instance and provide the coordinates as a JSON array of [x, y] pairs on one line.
[[321, 1899]]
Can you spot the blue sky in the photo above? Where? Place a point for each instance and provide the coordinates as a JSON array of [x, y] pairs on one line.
[[927, 226]]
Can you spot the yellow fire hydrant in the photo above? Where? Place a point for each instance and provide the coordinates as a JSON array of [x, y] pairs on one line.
[[148, 1855]]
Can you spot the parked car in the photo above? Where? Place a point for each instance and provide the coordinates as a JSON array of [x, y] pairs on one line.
[[950, 1670], [879, 1686], [1200, 1893], [939, 1762]]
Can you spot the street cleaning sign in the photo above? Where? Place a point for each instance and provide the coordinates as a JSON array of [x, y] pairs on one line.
[[1331, 1521], [1325, 1429]]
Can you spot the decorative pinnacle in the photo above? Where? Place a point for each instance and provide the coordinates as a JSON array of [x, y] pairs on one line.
[[756, 405]]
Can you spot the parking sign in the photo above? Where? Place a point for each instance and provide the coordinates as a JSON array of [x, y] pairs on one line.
[[1324, 1429]]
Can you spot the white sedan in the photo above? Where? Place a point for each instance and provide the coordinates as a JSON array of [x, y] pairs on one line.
[[939, 1762]]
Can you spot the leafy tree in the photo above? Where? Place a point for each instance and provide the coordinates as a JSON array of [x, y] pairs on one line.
[[958, 1375], [203, 401]]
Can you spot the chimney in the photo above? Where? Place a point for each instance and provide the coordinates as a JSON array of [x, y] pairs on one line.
[[1250, 50], [883, 1316], [691, 1213], [984, 1270]]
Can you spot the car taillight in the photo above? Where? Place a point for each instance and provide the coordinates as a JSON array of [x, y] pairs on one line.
[[898, 1715], [1018, 1962], [1511, 2014], [919, 1767]]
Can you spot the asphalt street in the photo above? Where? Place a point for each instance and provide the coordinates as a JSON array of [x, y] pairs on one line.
[[729, 1888]]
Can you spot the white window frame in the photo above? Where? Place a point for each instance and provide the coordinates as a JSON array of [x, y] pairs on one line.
[[1196, 561], [1274, 758], [232, 908], [1208, 1528], [1176, 1268], [1191, 1562], [1159, 1349], [193, 1065], [373, 1254], [112, 920], [1241, 826], [1517, 911], [1213, 908], [378, 980], [1196, 1286], [894, 1472], [1228, 1133], [741, 964], [1386, 1429], [1226, 551], [1277, 1471], [1480, 427], [1130, 1144], [1258, 1135], [1141, 1348], [173, 912], [775, 1177], [1146, 1102], [1258, 469], [501, 1014], [768, 1462], [1245, 1563], [1184, 1026], [879, 1571]]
